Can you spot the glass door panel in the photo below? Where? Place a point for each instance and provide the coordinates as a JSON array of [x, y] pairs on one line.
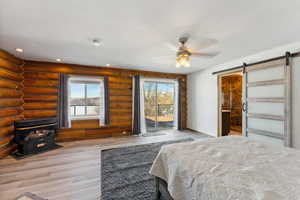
[[159, 105], [165, 104], [150, 105]]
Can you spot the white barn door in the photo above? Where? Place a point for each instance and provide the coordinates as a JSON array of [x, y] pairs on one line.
[[267, 102]]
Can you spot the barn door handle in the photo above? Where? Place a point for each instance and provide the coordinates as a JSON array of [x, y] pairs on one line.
[[244, 107]]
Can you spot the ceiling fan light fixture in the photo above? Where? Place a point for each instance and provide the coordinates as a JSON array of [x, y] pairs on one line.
[[187, 64], [183, 60], [19, 50]]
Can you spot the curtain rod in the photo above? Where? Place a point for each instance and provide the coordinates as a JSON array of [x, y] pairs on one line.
[[296, 54]]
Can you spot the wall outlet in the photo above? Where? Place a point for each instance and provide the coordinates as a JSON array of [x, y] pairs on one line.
[[124, 132]]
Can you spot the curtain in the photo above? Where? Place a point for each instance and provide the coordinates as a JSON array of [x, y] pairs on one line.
[[179, 125], [175, 115], [136, 129], [63, 107], [142, 107], [106, 101]]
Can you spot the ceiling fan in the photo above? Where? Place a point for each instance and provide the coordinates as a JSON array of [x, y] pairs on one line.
[[183, 54]]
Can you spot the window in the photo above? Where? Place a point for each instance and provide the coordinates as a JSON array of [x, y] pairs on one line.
[[86, 98]]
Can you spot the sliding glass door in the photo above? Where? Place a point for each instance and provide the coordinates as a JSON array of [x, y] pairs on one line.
[[159, 105]]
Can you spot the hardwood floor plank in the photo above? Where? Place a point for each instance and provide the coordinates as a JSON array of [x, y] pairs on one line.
[[69, 173]]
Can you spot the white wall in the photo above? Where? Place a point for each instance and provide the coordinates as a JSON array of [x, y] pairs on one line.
[[202, 93]]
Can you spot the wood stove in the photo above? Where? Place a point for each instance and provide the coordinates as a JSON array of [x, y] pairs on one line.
[[35, 136]]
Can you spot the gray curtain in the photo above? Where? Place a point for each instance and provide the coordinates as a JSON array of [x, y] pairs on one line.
[[63, 110], [106, 101], [136, 130], [179, 105]]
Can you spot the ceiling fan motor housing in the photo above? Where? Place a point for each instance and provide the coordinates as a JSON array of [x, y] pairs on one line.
[[183, 40], [183, 52]]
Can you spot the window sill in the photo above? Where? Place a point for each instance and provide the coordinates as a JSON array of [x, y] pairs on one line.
[[85, 118], [94, 128]]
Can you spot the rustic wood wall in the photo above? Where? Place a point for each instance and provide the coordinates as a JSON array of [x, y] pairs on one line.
[[41, 95], [11, 78], [232, 99]]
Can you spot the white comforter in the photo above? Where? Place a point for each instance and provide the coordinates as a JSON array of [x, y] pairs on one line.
[[229, 168]]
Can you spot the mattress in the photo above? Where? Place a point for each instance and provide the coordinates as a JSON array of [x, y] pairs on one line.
[[232, 167]]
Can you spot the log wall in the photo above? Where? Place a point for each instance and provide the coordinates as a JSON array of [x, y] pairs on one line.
[[29, 90], [232, 100], [11, 99], [41, 96]]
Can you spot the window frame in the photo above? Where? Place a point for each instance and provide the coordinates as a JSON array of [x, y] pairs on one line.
[[85, 80]]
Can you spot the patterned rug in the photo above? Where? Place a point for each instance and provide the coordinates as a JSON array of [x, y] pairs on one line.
[[125, 171], [151, 134], [29, 196]]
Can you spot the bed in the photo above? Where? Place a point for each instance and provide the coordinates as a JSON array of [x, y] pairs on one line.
[[232, 167]]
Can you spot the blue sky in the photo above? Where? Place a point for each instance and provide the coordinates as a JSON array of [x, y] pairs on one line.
[[161, 87], [93, 90], [77, 90]]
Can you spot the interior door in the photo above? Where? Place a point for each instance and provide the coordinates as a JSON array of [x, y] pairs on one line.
[[267, 102]]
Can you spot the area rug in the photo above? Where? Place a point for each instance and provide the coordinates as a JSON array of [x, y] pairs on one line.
[[125, 171], [151, 134], [29, 196]]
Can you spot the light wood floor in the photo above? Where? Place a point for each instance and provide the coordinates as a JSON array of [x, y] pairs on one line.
[[232, 132], [68, 173]]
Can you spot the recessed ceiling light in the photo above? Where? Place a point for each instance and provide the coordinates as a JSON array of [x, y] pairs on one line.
[[96, 42], [107, 65], [19, 50], [58, 60]]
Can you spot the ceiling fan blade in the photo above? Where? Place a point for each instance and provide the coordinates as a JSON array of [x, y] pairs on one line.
[[212, 54], [165, 57], [172, 47], [205, 43]]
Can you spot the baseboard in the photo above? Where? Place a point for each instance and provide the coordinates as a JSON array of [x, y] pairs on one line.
[[200, 132], [189, 129]]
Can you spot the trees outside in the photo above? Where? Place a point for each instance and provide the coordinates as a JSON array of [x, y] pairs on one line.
[[159, 102]]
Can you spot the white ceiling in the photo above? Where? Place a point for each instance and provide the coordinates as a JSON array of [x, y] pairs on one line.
[[135, 33]]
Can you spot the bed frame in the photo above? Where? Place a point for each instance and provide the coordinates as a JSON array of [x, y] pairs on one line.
[[162, 192]]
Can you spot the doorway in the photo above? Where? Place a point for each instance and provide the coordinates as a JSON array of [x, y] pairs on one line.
[[159, 105], [231, 104], [266, 106]]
